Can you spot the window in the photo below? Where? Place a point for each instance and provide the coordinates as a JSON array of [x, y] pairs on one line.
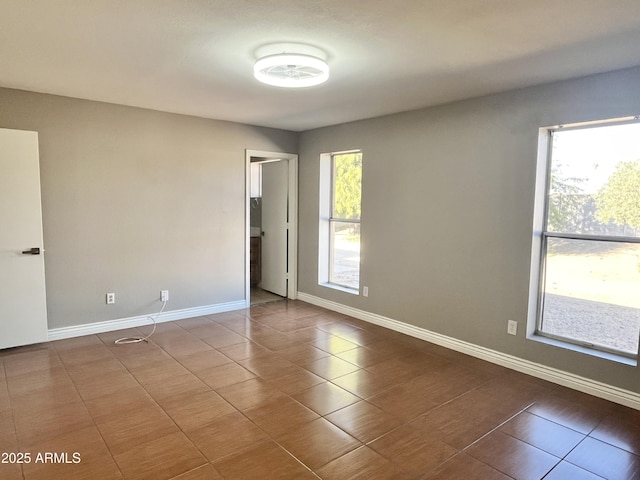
[[589, 239], [340, 205]]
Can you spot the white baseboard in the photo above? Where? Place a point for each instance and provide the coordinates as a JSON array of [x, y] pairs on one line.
[[122, 323], [560, 377]]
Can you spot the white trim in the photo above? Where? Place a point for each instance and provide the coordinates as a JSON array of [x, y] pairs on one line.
[[142, 320], [342, 288], [576, 382], [535, 271], [324, 202], [292, 160]]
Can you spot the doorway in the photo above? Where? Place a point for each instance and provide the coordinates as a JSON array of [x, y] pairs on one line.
[[271, 226]]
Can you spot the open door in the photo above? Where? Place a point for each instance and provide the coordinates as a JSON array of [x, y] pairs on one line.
[[275, 197], [279, 216]]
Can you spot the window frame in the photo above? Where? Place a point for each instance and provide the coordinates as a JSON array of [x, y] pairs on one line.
[[328, 220], [542, 235]]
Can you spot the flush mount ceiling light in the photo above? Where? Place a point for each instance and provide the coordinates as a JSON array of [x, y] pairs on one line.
[[291, 66]]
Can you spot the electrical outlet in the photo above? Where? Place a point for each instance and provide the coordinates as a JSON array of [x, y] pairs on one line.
[[164, 295], [111, 298], [512, 327], [365, 291]]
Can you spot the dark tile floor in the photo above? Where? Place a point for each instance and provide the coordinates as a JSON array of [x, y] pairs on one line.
[[290, 391]]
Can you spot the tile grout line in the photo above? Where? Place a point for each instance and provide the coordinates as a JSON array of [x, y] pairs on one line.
[[585, 436], [186, 369], [267, 434], [133, 375], [362, 399], [405, 422], [13, 418], [560, 459], [213, 390], [268, 437], [244, 449], [93, 420], [272, 438], [497, 427]]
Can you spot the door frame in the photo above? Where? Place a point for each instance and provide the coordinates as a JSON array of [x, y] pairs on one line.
[[292, 250]]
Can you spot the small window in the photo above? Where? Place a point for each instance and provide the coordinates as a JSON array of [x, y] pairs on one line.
[[589, 271], [340, 207]]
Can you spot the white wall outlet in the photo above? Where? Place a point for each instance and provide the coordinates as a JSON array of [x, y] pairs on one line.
[[365, 291], [111, 298], [512, 327], [164, 295]]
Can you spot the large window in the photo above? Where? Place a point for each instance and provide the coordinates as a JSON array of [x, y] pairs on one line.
[[589, 273], [341, 187]]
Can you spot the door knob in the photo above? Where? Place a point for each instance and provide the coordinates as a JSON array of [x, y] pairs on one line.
[[32, 251]]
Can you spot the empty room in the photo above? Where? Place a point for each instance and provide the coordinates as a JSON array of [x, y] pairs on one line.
[[319, 239]]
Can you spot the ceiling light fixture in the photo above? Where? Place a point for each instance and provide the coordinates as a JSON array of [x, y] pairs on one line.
[[293, 66]]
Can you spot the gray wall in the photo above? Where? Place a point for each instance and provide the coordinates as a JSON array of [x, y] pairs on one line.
[[448, 197], [135, 201]]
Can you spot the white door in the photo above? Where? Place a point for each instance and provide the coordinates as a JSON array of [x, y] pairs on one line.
[[23, 310], [275, 194]]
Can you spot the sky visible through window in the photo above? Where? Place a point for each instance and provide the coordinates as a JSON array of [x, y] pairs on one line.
[[592, 154]]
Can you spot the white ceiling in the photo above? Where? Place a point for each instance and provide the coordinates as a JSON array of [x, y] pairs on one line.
[[196, 56]]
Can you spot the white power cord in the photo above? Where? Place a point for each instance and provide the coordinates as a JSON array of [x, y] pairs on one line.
[[153, 318]]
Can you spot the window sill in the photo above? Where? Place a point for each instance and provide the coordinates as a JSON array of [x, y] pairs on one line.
[[585, 350], [341, 288]]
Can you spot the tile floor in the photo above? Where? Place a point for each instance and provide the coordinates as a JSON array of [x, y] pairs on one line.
[[259, 296], [291, 391]]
